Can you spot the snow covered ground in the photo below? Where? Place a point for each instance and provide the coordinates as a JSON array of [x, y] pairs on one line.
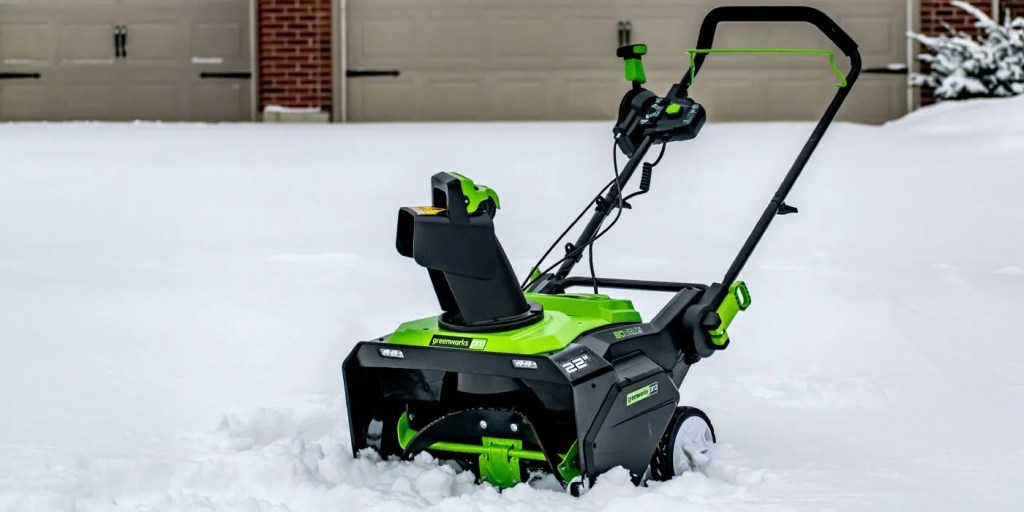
[[176, 302]]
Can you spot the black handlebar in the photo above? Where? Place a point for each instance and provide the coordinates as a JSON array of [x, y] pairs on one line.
[[777, 14]]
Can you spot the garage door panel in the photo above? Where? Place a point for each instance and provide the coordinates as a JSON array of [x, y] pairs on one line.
[[452, 41], [795, 98], [94, 101], [590, 95], [872, 36], [592, 37], [218, 40], [20, 102], [454, 98], [729, 95], [25, 43], [523, 38], [668, 38], [219, 101], [873, 100], [386, 39], [153, 101], [520, 99], [87, 43], [379, 99], [151, 43]]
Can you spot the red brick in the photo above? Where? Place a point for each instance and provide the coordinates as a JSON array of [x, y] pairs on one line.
[[295, 53]]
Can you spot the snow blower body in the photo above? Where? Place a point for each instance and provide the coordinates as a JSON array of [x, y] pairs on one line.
[[514, 378]]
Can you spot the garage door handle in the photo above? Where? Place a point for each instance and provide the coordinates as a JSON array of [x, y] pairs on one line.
[[244, 75], [120, 39], [371, 72], [16, 76], [891, 69]]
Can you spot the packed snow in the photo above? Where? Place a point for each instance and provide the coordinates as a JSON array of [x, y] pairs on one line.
[[176, 302]]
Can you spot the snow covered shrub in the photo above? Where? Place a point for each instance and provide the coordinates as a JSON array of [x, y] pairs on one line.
[[964, 67]]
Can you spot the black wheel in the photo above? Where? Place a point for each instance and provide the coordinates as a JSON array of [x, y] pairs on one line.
[[689, 432]]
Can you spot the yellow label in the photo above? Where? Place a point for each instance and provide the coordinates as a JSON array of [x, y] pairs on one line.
[[427, 210]]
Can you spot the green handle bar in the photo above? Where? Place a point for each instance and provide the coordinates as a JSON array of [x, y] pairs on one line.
[[831, 58]]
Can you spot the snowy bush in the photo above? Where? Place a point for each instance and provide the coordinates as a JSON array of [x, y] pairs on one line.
[[965, 67]]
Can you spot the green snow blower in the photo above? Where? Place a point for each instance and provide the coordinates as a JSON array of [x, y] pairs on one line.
[[516, 379]]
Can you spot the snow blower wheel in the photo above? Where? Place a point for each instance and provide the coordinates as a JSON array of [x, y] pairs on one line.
[[685, 444], [512, 378]]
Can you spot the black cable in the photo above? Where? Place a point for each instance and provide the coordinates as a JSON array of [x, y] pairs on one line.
[[528, 281], [593, 274], [576, 251], [645, 175], [618, 190]]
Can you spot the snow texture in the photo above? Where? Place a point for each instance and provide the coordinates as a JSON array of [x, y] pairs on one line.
[[176, 301], [963, 67]]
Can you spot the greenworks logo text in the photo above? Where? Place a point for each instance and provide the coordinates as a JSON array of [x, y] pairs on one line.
[[458, 342], [642, 393]]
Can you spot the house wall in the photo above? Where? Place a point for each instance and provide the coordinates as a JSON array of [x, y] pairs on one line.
[[295, 54]]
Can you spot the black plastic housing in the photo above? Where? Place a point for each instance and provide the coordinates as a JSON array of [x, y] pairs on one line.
[[472, 278]]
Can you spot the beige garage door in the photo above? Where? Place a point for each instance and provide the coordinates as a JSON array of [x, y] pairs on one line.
[[154, 72], [544, 60]]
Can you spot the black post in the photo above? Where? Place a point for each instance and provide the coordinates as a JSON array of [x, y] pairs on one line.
[[611, 198]]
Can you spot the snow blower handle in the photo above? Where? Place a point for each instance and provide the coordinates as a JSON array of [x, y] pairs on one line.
[[777, 205], [706, 38]]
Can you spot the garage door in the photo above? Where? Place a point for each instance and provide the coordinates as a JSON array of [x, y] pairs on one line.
[[125, 60], [536, 59]]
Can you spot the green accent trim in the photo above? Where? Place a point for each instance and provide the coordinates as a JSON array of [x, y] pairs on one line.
[[830, 53], [737, 300], [640, 49], [569, 468], [498, 466], [673, 109], [534, 275], [499, 458], [476, 194], [580, 306], [635, 71], [406, 433], [566, 317]]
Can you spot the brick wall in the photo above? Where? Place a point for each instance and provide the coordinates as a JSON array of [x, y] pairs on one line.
[[1016, 7], [295, 53]]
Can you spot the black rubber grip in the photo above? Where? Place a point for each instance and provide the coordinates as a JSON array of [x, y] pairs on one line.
[[810, 15]]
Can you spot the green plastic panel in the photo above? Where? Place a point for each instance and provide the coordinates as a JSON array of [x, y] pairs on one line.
[[566, 317], [737, 300], [476, 194]]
